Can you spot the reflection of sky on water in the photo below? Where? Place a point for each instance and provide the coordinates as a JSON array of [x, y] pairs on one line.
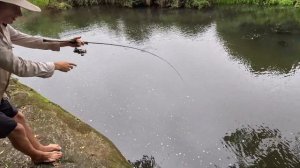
[[143, 107]]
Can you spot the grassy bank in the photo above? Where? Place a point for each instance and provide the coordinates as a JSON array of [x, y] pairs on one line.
[[82, 145], [53, 4], [197, 4]]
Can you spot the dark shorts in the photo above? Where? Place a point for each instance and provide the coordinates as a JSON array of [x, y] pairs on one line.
[[7, 112]]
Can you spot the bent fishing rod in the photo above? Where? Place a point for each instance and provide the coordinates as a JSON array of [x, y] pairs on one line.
[[82, 52]]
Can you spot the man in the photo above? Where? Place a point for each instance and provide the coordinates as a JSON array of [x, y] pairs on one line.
[[12, 123]]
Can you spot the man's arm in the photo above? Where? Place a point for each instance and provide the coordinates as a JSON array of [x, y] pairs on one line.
[[29, 41], [26, 68]]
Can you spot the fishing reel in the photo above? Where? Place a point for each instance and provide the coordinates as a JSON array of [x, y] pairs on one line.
[[80, 51]]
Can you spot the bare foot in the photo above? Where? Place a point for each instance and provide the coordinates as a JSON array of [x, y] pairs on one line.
[[47, 157], [50, 148]]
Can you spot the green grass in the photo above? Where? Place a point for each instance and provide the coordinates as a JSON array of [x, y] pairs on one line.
[[41, 3], [198, 4], [53, 4], [256, 2]]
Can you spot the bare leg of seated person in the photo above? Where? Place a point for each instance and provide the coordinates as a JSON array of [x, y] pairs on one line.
[[21, 142], [19, 118]]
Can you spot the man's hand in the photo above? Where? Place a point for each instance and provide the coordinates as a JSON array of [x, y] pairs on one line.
[[64, 66], [75, 42]]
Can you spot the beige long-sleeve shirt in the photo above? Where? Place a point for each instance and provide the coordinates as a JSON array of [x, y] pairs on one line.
[[11, 64]]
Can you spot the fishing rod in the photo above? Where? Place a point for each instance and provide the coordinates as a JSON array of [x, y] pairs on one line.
[[82, 51]]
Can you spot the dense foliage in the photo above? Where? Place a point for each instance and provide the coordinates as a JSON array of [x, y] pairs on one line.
[[197, 4]]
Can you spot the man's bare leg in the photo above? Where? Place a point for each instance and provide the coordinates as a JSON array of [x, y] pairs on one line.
[[19, 118], [20, 141]]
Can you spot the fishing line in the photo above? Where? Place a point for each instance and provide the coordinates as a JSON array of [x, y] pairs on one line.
[[82, 52]]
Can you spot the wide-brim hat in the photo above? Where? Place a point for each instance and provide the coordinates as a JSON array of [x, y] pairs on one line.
[[24, 4]]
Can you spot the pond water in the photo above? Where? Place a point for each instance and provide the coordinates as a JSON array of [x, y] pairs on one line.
[[237, 106]]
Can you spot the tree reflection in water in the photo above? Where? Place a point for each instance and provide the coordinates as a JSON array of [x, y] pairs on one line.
[[262, 147], [145, 162]]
